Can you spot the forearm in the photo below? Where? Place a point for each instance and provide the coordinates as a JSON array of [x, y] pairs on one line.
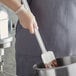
[[26, 18], [12, 4]]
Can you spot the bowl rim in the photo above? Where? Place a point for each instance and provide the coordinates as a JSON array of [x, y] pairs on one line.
[[55, 68]]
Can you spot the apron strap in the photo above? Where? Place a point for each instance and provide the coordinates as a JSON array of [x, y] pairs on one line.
[[29, 1]]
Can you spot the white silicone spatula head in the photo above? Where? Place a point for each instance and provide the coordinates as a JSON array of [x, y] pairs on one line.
[[47, 57]]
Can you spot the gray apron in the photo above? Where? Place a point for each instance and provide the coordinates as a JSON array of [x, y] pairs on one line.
[[57, 25]]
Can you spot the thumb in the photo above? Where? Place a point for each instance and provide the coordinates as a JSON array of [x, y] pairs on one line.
[[31, 29]]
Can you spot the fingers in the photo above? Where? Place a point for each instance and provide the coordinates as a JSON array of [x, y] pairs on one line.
[[31, 29], [33, 26]]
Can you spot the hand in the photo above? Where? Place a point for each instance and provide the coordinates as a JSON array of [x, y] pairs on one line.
[[27, 20]]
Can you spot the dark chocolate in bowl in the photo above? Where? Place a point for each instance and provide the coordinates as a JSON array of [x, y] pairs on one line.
[[66, 67]]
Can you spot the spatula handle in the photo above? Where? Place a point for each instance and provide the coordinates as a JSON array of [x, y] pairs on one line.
[[40, 41], [37, 34]]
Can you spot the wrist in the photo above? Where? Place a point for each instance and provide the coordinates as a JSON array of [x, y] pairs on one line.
[[20, 9], [23, 13]]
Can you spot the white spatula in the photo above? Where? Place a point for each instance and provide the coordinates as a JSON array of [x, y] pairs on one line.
[[47, 56]]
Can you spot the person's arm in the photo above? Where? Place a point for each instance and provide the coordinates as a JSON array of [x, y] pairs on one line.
[[25, 16], [12, 4]]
